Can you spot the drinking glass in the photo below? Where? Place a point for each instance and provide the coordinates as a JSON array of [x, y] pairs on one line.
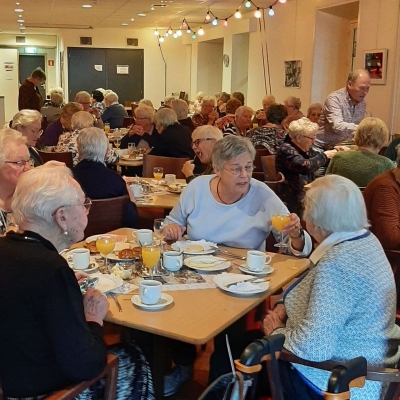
[[117, 143], [157, 227], [278, 221], [105, 245], [131, 148], [150, 256], [107, 128], [158, 173]]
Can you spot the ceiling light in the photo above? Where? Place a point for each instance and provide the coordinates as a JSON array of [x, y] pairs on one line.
[[225, 23], [247, 4], [161, 39], [19, 16], [175, 35], [179, 33], [166, 34], [170, 31], [132, 19], [237, 14], [86, 6], [184, 24], [257, 14], [124, 24], [156, 32], [188, 30], [271, 12], [17, 4], [282, 1], [19, 10], [208, 17], [21, 27], [141, 14], [201, 31], [152, 8], [20, 20], [215, 22]]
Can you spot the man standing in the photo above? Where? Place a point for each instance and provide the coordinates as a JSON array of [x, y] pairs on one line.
[[29, 95], [343, 111]]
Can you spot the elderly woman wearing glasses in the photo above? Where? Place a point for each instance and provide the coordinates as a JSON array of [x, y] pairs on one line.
[[29, 123], [231, 208], [298, 161]]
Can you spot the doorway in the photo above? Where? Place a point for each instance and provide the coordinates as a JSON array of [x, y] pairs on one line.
[[28, 63]]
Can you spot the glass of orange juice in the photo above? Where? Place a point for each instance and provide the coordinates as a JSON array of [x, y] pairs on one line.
[[150, 256], [158, 173], [105, 245], [278, 222]]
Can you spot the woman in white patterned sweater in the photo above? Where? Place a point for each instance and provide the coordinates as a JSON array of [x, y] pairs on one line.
[[344, 306]]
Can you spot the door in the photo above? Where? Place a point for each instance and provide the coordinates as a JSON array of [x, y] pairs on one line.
[[89, 69], [27, 64]]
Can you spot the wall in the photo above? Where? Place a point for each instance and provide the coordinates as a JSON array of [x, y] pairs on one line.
[[9, 82], [209, 67], [240, 62]]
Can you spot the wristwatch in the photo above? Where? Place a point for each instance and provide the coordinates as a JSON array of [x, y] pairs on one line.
[[301, 234]]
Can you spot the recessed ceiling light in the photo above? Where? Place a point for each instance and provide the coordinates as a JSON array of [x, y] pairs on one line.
[[124, 24], [17, 4], [132, 19], [141, 14], [21, 27], [20, 20], [19, 10], [19, 16], [86, 6]]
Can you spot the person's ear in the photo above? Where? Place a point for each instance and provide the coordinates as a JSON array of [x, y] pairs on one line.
[[216, 170], [60, 218]]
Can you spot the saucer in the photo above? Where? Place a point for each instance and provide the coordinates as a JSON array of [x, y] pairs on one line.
[[267, 270], [164, 301]]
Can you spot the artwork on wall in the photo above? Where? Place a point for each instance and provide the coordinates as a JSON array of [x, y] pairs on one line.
[[292, 74], [375, 62]]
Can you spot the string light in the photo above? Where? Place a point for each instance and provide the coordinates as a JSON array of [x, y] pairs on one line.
[[208, 16], [194, 36], [247, 4], [282, 1], [156, 32], [175, 35], [188, 30], [201, 31], [169, 31], [184, 24], [271, 12], [161, 39], [179, 32], [166, 34], [238, 14], [215, 22], [225, 23], [257, 14]]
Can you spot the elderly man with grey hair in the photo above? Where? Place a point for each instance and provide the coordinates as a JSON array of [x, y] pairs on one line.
[[343, 110], [242, 123], [174, 139], [114, 113]]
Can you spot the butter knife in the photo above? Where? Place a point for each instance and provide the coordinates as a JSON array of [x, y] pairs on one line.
[[114, 297]]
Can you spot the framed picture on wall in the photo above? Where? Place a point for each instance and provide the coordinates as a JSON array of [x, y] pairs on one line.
[[293, 74], [375, 62]]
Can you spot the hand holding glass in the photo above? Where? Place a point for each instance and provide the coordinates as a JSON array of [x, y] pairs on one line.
[[279, 221]]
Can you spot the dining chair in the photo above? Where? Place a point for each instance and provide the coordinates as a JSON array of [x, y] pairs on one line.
[[65, 157], [109, 214], [171, 165], [271, 177], [128, 121], [258, 172]]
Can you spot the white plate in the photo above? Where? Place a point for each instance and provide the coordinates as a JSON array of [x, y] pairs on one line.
[[127, 157], [207, 247], [207, 263], [164, 301], [107, 283], [114, 257], [266, 271], [117, 238], [222, 281]]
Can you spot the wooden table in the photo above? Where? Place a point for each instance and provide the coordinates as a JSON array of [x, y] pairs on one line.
[[130, 163], [196, 316]]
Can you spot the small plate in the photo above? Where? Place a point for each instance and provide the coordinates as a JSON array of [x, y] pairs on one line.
[[164, 301], [223, 280], [208, 247], [128, 158], [114, 257], [207, 263], [266, 271], [108, 283], [117, 238]]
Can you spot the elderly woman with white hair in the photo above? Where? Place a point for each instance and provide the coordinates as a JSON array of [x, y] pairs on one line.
[[241, 124], [29, 123], [174, 139], [344, 305], [207, 114], [51, 335], [85, 99], [365, 163], [297, 160], [181, 109], [68, 140], [114, 113]]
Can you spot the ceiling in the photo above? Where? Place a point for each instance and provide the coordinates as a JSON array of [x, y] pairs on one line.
[[46, 16]]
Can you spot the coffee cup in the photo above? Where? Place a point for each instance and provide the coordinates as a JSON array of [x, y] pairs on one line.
[[150, 291], [256, 260], [170, 178], [144, 236], [172, 260], [81, 258], [137, 190]]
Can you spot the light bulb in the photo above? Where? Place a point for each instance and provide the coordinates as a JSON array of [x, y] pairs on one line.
[[271, 12], [215, 22], [237, 14], [166, 34], [257, 14], [175, 35], [169, 31], [194, 36], [225, 23], [161, 39], [201, 31], [179, 33], [152, 8], [247, 4], [184, 25], [282, 1], [208, 17], [156, 32], [188, 30]]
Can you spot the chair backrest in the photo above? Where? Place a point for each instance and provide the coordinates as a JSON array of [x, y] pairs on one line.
[[109, 374], [128, 121], [171, 165], [107, 215], [65, 157], [258, 168], [271, 176]]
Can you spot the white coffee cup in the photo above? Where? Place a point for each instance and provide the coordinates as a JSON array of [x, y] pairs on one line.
[[256, 260], [137, 190], [172, 260], [81, 258], [170, 178], [144, 236], [150, 291]]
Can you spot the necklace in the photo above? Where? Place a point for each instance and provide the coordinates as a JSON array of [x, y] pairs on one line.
[[224, 201]]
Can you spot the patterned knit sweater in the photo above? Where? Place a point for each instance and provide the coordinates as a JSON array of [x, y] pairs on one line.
[[342, 308]]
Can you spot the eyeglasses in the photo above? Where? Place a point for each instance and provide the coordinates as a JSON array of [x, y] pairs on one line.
[[309, 137], [87, 204], [198, 141], [34, 131], [142, 118], [22, 163], [238, 170]]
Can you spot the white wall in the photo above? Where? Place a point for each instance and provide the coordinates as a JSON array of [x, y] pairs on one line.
[[9, 82], [209, 67], [240, 63]]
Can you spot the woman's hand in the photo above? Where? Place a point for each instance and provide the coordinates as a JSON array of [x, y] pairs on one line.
[[294, 230], [173, 231], [188, 168], [281, 311], [136, 130], [95, 306], [80, 276], [271, 322]]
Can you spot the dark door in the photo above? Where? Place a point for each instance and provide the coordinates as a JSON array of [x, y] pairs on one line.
[[86, 70], [27, 64], [84, 65]]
